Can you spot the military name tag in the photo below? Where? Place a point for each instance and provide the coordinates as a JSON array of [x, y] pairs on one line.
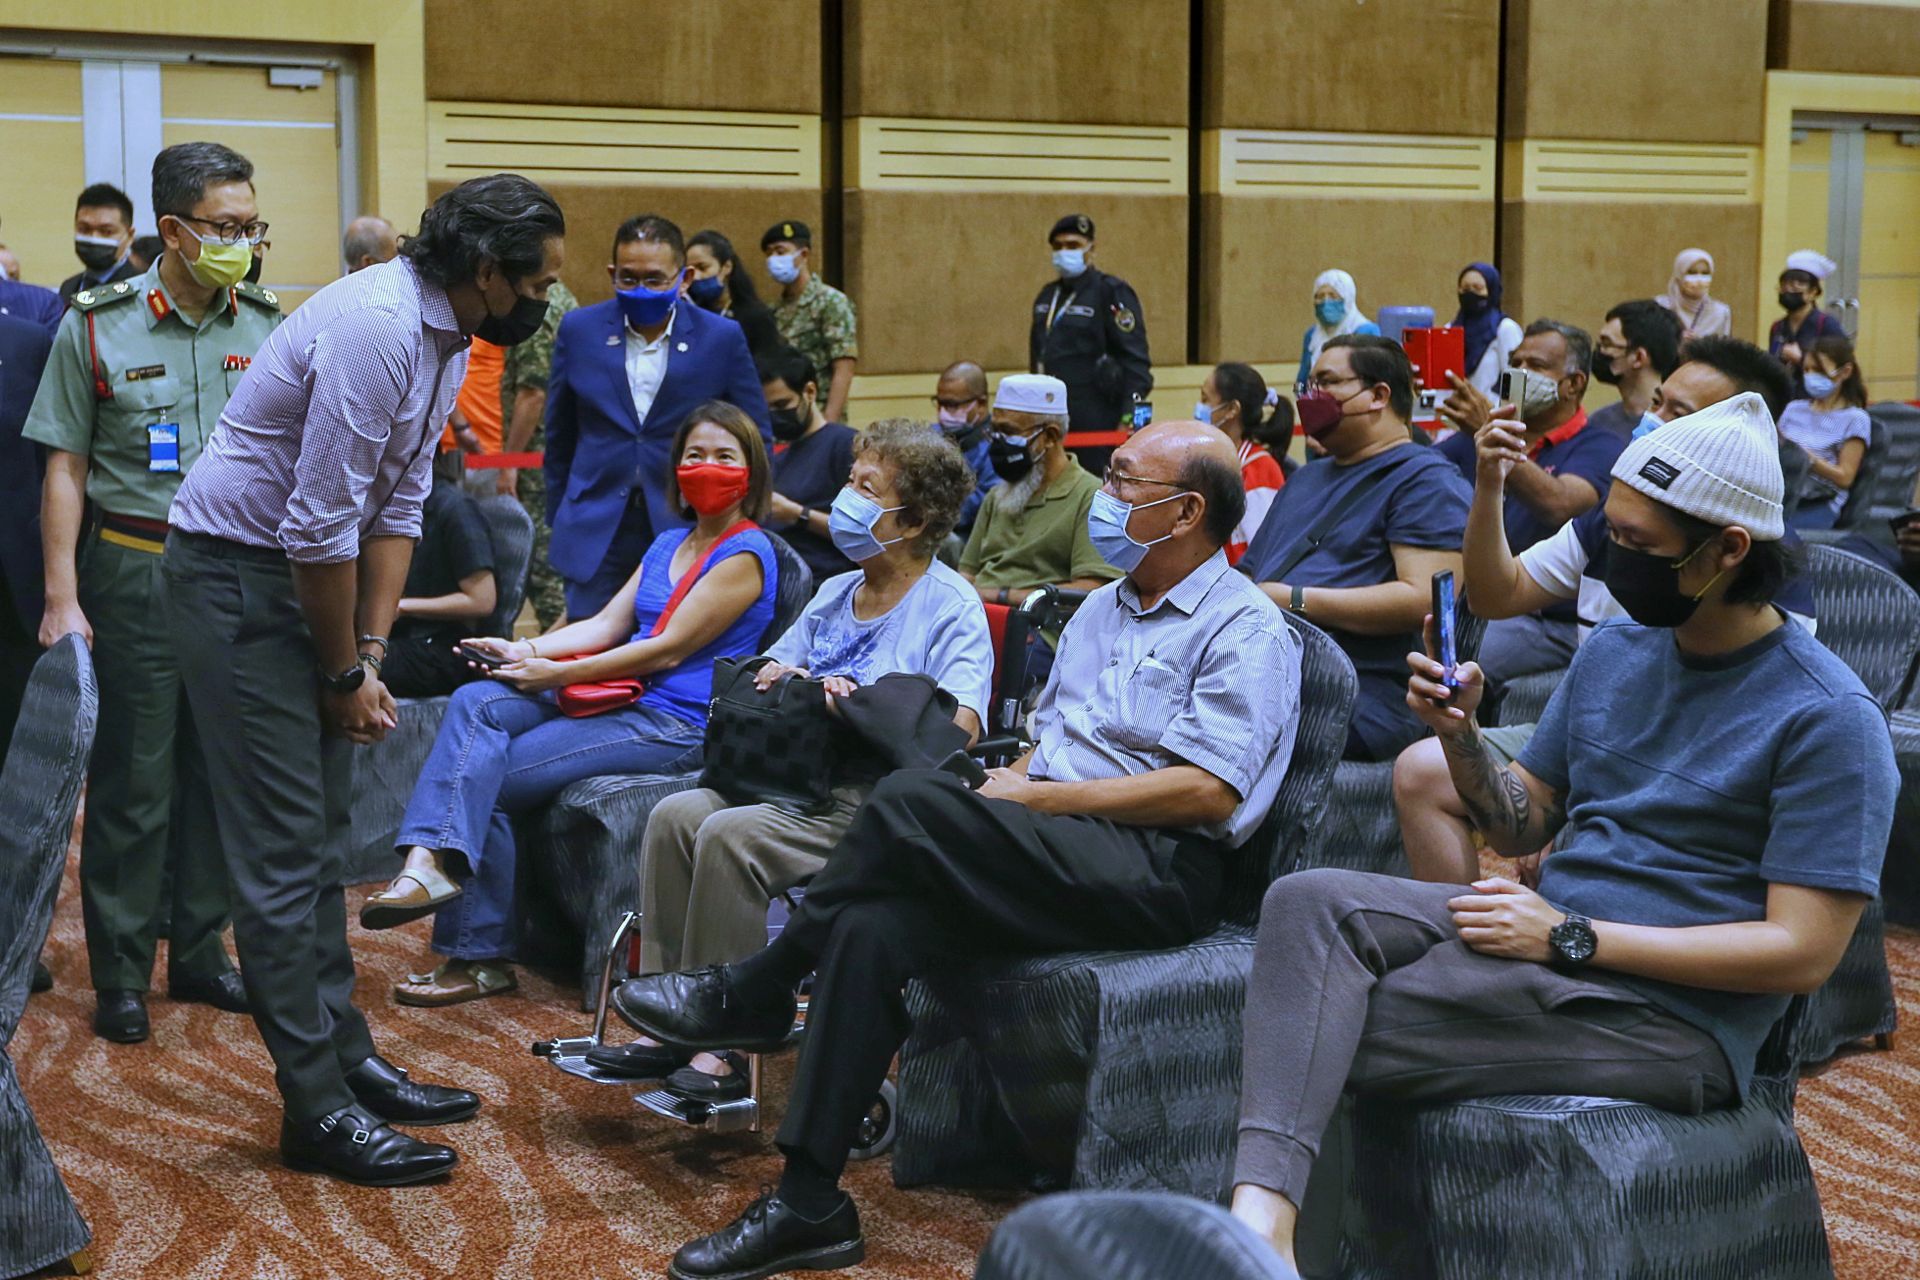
[[163, 446], [147, 371], [1079, 309]]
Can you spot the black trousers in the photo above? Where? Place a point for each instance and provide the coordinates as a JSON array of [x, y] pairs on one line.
[[19, 650], [281, 796], [931, 872], [420, 666]]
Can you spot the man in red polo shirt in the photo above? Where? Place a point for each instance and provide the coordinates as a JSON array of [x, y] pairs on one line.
[[1567, 471]]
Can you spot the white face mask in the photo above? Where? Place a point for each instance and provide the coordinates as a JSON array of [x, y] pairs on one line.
[[1697, 281]]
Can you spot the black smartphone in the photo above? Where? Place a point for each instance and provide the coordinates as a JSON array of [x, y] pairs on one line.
[[491, 661], [1898, 523], [1443, 624]]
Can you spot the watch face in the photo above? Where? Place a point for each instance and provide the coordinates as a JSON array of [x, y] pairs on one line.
[[1573, 939]]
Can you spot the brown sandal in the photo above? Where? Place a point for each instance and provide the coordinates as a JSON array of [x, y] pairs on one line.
[[411, 895], [455, 982]]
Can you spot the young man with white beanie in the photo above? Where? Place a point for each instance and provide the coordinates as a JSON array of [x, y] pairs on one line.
[[1719, 788]]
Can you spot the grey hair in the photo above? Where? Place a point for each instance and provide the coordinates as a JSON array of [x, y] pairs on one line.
[[183, 172], [363, 238], [1579, 343], [930, 476]]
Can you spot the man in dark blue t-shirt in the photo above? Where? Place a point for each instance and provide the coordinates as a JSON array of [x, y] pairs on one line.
[[1354, 539], [1719, 789], [1563, 475]]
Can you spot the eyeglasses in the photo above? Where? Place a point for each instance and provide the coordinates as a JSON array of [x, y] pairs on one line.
[[1110, 478], [230, 232], [1323, 383], [654, 283]]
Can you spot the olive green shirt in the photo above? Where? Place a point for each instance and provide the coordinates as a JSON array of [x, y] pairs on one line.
[[160, 368], [1044, 541], [528, 363], [820, 325]]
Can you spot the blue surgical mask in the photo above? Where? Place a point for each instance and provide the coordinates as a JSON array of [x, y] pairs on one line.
[[1648, 424], [1202, 412], [706, 290], [1819, 385], [851, 523], [1069, 262], [1107, 521], [783, 267], [644, 307], [1330, 311]]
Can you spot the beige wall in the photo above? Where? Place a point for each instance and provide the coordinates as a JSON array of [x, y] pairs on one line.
[[1845, 35]]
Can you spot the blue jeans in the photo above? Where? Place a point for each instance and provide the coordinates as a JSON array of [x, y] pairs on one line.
[[1814, 515], [500, 753]]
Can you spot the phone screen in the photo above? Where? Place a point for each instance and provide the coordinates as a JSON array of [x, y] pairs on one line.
[[481, 656], [1443, 623]]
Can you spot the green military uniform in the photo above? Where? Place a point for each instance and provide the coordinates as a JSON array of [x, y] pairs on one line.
[[528, 364], [820, 325], [136, 388]]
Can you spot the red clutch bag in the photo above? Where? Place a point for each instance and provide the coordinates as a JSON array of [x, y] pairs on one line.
[[595, 697]]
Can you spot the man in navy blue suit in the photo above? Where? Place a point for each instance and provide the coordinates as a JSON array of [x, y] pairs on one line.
[[626, 373], [24, 345]]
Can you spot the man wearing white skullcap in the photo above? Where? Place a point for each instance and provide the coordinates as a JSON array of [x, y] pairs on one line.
[[1800, 286], [1032, 529], [1718, 789]]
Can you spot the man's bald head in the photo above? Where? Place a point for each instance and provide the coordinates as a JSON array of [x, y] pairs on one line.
[[1197, 458], [369, 241], [964, 378]]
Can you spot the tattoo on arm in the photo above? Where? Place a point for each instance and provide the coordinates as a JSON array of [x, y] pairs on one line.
[[1497, 799]]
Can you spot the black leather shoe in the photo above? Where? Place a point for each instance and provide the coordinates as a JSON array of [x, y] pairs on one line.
[[637, 1061], [384, 1089], [358, 1148], [225, 993], [690, 1082], [701, 1010], [770, 1238], [120, 1016], [42, 978]]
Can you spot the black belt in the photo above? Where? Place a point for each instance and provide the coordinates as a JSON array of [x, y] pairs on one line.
[[226, 548]]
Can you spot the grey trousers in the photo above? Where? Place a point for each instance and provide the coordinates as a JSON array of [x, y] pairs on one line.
[[712, 868], [281, 797], [1361, 982]]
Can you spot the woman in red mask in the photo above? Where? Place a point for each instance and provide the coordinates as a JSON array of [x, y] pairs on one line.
[[511, 743]]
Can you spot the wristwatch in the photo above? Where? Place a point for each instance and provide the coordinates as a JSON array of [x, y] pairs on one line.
[[1297, 601], [347, 681], [1572, 941]]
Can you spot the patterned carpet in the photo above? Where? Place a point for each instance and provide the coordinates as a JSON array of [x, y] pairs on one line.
[[168, 1147]]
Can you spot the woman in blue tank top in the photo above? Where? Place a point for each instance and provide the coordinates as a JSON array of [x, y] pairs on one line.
[[506, 747]]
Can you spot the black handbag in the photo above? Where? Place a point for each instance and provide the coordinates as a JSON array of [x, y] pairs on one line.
[[775, 747]]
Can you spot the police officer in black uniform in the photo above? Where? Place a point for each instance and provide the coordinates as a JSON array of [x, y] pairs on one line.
[[1089, 333]]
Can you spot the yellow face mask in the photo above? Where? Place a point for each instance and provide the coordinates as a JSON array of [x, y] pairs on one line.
[[219, 266]]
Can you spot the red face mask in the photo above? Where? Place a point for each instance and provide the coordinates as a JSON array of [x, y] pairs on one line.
[[1319, 412], [710, 488]]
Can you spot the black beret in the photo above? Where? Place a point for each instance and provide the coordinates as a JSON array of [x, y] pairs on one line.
[[794, 232], [1077, 223]]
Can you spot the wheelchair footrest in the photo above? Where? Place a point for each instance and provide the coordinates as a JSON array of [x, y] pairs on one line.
[[733, 1116]]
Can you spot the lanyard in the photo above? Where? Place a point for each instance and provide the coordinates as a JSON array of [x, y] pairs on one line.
[[1059, 304]]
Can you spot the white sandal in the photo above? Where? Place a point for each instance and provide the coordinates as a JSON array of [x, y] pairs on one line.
[[411, 895]]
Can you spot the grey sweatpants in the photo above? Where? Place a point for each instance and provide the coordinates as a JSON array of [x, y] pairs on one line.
[[1360, 981]]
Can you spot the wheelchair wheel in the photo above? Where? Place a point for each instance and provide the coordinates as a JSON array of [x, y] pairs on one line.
[[877, 1127]]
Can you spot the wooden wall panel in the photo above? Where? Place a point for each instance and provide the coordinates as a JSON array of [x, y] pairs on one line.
[[594, 213], [1643, 70], [941, 276], [1258, 258], [1386, 66], [1845, 35], [713, 55], [1572, 261], [1075, 61]]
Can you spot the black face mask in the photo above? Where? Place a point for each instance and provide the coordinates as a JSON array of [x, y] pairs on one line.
[[517, 325], [96, 257], [788, 424], [1012, 459], [1648, 586], [1603, 369], [1472, 304], [1792, 301]]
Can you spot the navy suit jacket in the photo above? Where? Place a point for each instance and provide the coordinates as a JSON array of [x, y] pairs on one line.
[[598, 450], [23, 354]]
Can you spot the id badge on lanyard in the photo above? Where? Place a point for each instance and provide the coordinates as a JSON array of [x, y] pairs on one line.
[[163, 446]]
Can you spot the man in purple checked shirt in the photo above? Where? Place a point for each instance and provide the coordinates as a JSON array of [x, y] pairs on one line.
[[289, 544]]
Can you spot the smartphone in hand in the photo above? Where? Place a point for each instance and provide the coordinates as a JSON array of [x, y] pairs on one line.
[[1442, 611], [1900, 522], [1528, 390], [491, 661]]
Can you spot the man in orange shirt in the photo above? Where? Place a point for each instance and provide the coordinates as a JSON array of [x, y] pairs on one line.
[[475, 426]]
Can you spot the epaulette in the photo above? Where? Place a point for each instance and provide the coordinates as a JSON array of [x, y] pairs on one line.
[[254, 293], [102, 295]]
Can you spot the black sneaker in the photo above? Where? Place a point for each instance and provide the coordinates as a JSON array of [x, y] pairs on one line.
[[769, 1238]]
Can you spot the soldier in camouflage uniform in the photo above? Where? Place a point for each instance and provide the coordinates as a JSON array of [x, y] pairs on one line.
[[523, 402], [815, 319], [139, 374]]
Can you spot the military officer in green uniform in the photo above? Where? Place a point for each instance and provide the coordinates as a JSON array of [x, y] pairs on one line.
[[139, 374], [1089, 333], [813, 317], [523, 407]]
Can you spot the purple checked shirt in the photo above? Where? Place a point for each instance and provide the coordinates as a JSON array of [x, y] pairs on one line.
[[329, 438]]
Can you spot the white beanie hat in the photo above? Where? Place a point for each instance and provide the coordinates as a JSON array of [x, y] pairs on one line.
[[1816, 264], [1032, 393], [1721, 465]]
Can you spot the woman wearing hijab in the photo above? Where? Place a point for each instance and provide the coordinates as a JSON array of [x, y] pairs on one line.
[[1686, 296], [1335, 312], [1491, 334]]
